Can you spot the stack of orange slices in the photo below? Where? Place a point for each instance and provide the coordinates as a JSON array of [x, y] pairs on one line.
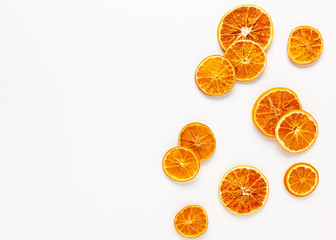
[[278, 113], [244, 33]]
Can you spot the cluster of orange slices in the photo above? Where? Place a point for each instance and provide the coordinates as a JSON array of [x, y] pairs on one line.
[[244, 33]]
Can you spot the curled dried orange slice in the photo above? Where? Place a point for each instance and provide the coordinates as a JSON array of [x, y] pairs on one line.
[[243, 190], [296, 131], [199, 139], [248, 59], [245, 22], [305, 45], [215, 75], [271, 106], [180, 164], [191, 221], [301, 179]]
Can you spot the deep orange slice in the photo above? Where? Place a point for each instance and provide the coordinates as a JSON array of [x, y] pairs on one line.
[[199, 139], [180, 164], [248, 59], [271, 106], [191, 221], [243, 190], [301, 179], [245, 22], [215, 75], [305, 45], [296, 131]]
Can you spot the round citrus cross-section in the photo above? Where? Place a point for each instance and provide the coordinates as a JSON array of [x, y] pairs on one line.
[[248, 59], [199, 139], [245, 22], [191, 221], [305, 45], [215, 75], [180, 164], [301, 179], [243, 190], [271, 106], [296, 131]]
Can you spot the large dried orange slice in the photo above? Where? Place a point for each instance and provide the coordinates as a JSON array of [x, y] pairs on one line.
[[180, 164], [243, 190], [215, 75], [191, 221], [296, 131], [248, 59], [301, 179], [305, 45], [271, 106], [198, 138], [245, 22]]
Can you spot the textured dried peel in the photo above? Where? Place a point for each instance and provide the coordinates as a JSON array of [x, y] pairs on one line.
[[271, 106], [243, 190], [305, 45], [199, 139], [248, 59], [191, 221], [245, 22], [215, 75]]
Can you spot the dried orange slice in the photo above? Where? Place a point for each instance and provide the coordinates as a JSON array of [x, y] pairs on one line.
[[180, 164], [248, 59], [296, 131], [215, 75], [305, 45], [243, 190], [301, 179], [199, 139], [191, 221], [245, 22], [270, 106]]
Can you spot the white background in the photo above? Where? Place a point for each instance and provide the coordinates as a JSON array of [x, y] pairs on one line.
[[93, 93]]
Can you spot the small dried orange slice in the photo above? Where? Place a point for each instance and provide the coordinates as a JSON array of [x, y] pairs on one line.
[[301, 179], [243, 190], [180, 164], [296, 131], [271, 106], [248, 59], [245, 22], [215, 75], [305, 45], [199, 139], [191, 221]]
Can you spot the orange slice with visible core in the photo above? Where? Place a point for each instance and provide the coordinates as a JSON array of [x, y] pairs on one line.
[[271, 106], [199, 139], [301, 179], [215, 75], [305, 45], [191, 221], [245, 22], [296, 131], [180, 164], [243, 190], [248, 59]]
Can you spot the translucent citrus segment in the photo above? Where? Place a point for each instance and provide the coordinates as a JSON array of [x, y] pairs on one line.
[[245, 22], [180, 164], [199, 139], [305, 45], [243, 190], [248, 59], [296, 131], [301, 179], [271, 106], [215, 75], [191, 221]]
